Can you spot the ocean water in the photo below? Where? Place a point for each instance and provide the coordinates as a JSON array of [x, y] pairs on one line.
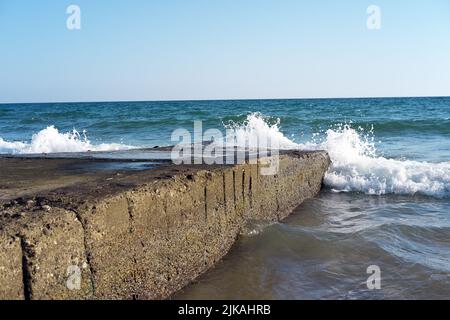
[[386, 200]]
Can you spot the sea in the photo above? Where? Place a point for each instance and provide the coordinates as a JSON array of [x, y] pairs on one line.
[[379, 229]]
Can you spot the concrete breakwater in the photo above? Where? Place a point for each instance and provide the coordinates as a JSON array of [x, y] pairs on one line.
[[135, 234]]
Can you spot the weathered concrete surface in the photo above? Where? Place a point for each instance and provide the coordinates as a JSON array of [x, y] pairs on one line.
[[140, 235]]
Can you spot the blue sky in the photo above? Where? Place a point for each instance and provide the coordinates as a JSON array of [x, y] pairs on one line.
[[222, 49]]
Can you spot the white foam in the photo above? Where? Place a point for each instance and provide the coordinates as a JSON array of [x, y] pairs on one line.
[[356, 167], [355, 163], [50, 140], [254, 130]]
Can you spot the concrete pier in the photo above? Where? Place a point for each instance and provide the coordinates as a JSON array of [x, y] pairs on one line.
[[115, 233]]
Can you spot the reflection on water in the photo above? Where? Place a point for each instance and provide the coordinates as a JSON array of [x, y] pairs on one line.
[[323, 250]]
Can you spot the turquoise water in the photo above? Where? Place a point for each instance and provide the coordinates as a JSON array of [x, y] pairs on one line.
[[412, 128], [386, 199]]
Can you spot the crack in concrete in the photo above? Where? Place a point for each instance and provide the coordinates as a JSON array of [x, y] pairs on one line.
[[250, 192], [130, 205], [87, 252], [224, 194], [243, 187], [130, 214], [234, 189], [206, 204], [26, 274]]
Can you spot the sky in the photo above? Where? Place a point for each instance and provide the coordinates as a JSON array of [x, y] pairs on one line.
[[222, 49]]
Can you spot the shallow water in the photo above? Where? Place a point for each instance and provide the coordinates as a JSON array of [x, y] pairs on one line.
[[324, 249]]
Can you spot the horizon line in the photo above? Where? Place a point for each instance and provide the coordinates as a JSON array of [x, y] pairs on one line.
[[226, 99]]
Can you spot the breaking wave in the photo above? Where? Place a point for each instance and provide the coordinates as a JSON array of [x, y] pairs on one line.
[[356, 165], [50, 140]]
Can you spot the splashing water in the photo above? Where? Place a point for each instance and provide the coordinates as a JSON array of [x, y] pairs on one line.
[[355, 164], [255, 129], [50, 140], [356, 167]]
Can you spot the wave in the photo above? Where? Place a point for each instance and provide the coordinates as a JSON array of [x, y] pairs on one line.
[[254, 129], [355, 167], [50, 140]]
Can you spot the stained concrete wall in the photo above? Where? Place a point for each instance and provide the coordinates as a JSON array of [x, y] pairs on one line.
[[146, 241]]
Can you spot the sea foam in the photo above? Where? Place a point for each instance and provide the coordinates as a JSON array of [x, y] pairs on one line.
[[254, 129], [50, 140], [356, 166]]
